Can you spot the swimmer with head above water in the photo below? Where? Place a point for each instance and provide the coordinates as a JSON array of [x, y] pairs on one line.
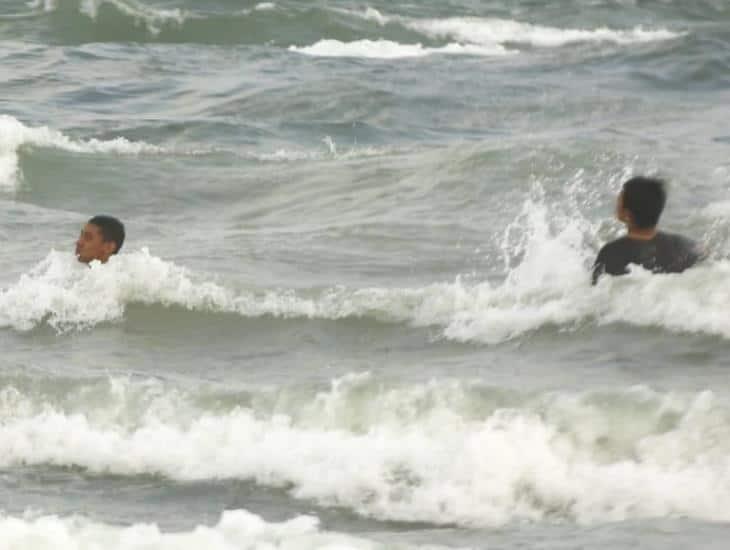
[[100, 238], [639, 206]]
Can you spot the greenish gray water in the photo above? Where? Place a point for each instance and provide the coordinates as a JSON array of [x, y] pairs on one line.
[[353, 307]]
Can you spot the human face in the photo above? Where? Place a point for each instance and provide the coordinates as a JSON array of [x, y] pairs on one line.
[[91, 245]]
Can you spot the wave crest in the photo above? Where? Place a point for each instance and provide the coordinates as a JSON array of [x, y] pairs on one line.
[[14, 135], [358, 31], [548, 286], [387, 49], [441, 452], [501, 31], [236, 529]]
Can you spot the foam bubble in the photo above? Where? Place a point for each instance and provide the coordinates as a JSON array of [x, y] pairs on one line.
[[236, 529], [386, 49], [440, 452], [14, 135]]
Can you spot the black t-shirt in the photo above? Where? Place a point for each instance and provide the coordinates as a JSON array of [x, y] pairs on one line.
[[665, 253]]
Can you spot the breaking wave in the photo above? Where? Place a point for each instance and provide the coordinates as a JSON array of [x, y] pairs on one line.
[[236, 529], [439, 452], [547, 284]]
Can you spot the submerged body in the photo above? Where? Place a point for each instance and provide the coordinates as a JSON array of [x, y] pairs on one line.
[[664, 253]]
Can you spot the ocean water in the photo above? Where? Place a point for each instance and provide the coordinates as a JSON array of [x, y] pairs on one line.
[[354, 308]]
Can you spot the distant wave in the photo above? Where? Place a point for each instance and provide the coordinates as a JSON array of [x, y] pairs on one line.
[[151, 18], [442, 452], [14, 135], [386, 49], [312, 29], [474, 36], [236, 529], [501, 31], [79, 21], [490, 31]]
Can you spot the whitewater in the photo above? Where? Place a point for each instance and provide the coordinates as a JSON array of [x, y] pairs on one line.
[[353, 308]]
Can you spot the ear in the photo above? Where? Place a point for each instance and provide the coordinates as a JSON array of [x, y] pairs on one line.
[[622, 214], [110, 247]]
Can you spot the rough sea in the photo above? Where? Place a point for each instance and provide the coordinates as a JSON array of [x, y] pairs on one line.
[[353, 309]]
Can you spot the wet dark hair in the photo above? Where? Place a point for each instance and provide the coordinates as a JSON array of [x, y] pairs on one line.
[[644, 198], [111, 229]]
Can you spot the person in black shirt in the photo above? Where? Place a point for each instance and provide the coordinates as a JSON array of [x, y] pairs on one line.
[[639, 206]]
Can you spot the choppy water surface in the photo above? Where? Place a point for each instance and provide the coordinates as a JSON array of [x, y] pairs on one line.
[[353, 308]]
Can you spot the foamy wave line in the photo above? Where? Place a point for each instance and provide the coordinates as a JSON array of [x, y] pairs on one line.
[[14, 134], [551, 286], [386, 49], [561, 456], [492, 31], [236, 529], [501, 31]]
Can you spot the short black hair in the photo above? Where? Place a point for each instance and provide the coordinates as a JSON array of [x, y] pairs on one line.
[[111, 229], [645, 199]]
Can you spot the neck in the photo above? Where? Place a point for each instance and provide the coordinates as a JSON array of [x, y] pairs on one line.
[[642, 234]]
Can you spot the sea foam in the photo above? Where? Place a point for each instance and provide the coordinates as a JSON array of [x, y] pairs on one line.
[[442, 452], [386, 49], [501, 31], [495, 31], [548, 286], [475, 36], [236, 529]]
